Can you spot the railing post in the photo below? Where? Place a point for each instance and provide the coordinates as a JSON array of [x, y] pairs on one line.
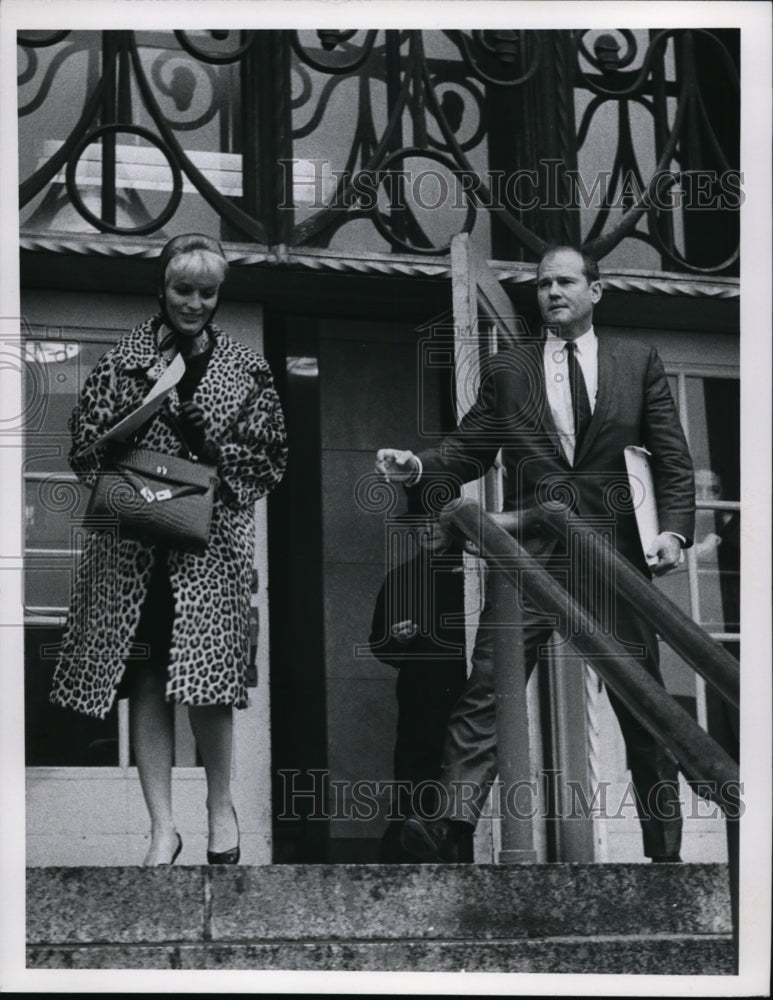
[[512, 722]]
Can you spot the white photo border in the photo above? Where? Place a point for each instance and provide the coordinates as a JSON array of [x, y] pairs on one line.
[[754, 20]]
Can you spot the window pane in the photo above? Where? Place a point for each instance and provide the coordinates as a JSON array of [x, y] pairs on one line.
[[717, 557], [713, 414], [47, 582], [53, 507], [717, 552], [54, 373]]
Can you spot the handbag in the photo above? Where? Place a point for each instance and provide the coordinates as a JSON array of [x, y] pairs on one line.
[[155, 497]]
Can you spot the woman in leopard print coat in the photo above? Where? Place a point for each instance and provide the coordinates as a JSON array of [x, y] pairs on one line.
[[190, 611]]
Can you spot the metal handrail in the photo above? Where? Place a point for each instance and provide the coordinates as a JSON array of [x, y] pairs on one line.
[[683, 635], [699, 756]]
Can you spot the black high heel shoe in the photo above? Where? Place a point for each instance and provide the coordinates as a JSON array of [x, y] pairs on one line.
[[230, 857]]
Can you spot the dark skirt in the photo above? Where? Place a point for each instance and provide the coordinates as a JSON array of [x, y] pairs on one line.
[[154, 629]]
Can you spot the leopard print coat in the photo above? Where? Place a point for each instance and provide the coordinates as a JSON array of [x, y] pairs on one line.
[[210, 639]]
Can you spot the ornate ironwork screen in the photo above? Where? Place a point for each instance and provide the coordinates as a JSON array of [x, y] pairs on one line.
[[627, 142]]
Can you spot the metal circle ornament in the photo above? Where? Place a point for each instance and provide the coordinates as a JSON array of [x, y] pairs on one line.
[[383, 173], [41, 40], [108, 227]]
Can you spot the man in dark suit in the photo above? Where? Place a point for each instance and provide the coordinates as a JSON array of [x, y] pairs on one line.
[[418, 628], [562, 410]]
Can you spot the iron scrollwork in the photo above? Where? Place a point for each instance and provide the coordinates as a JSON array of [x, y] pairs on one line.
[[504, 50], [104, 131], [217, 57], [676, 163], [424, 97]]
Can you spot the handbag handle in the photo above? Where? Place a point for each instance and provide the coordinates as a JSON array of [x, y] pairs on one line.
[[171, 419]]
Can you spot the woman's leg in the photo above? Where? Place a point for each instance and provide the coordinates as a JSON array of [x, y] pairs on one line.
[[212, 726], [151, 725]]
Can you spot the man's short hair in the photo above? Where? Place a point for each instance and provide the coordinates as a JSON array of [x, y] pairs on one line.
[[590, 267]]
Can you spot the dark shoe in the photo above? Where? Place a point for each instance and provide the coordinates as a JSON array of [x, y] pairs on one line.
[[436, 840], [666, 859], [391, 851], [230, 857]]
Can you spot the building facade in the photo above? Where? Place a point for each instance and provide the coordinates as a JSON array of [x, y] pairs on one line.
[[340, 169]]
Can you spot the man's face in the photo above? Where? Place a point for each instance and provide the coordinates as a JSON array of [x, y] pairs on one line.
[[566, 298]]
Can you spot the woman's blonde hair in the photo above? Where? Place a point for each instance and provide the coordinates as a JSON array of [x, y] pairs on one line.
[[205, 254]]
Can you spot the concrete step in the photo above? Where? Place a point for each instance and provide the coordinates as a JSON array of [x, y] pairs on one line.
[[572, 918]]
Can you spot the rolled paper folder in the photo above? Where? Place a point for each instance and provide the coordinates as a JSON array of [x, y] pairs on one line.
[[637, 463], [123, 430]]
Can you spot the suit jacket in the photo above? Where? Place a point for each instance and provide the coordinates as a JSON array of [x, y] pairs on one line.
[[634, 406], [427, 590]]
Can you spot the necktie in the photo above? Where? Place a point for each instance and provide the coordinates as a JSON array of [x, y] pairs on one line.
[[579, 390]]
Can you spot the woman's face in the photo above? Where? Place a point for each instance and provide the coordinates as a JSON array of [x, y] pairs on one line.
[[191, 293]]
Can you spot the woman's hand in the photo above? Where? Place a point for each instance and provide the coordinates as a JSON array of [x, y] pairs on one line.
[[195, 426]]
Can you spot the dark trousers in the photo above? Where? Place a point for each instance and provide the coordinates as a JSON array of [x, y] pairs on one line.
[[470, 757], [426, 692]]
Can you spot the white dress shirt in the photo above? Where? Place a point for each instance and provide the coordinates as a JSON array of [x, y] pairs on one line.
[[557, 382]]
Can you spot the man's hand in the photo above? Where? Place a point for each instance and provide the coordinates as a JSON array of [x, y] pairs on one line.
[[666, 550], [404, 631], [396, 466]]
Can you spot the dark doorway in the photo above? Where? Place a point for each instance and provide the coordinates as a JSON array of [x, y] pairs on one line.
[[348, 387]]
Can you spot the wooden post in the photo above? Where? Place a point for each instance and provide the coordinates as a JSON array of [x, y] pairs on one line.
[[512, 725]]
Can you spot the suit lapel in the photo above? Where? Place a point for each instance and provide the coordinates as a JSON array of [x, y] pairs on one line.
[[607, 362]]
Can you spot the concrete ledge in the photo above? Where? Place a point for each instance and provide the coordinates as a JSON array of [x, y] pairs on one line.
[[546, 918], [129, 905], [639, 956], [468, 901]]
